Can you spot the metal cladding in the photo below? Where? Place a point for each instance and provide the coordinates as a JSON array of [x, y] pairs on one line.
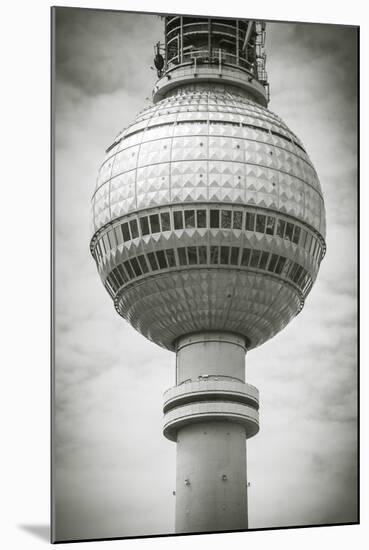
[[208, 215]]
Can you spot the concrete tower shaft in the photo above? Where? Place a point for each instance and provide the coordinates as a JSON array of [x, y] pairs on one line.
[[211, 478], [210, 413]]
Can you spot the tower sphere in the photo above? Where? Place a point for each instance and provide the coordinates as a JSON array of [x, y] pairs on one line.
[[207, 216]]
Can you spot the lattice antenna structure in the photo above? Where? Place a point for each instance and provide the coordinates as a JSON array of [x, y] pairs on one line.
[[200, 46]]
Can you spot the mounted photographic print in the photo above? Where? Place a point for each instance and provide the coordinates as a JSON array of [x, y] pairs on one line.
[[205, 220]]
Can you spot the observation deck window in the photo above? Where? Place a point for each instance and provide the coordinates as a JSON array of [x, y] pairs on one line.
[[224, 254], [296, 234], [111, 238], [264, 260], [192, 255], [250, 221], [293, 272], [119, 275], [129, 269], [270, 223], [237, 219], [116, 280], [170, 257], [303, 237], [280, 265], [226, 218], [182, 255], [144, 223], [98, 252], [152, 259], [119, 235], [281, 226], [286, 267], [155, 224], [142, 261], [123, 274], [314, 248], [317, 251], [201, 218], [178, 219], [102, 245], [260, 223], [304, 280], [214, 219], [134, 228], [299, 272], [136, 267], [308, 286], [234, 255], [125, 231], [203, 257], [105, 241], [165, 221], [301, 278], [273, 263], [161, 259], [255, 257], [308, 242], [289, 231], [245, 256], [214, 254], [189, 219]]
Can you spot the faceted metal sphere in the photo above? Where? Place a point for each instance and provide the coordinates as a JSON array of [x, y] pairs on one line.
[[207, 215]]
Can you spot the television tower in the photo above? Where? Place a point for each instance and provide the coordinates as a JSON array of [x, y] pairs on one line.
[[209, 228]]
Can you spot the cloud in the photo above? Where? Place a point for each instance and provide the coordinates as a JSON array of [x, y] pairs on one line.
[[103, 40]]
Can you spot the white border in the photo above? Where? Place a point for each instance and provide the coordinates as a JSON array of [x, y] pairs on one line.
[[25, 72]]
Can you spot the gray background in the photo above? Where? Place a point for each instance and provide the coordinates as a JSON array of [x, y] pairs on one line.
[[114, 472]]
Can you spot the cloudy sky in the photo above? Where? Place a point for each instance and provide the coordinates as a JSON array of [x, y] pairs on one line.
[[114, 471]]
